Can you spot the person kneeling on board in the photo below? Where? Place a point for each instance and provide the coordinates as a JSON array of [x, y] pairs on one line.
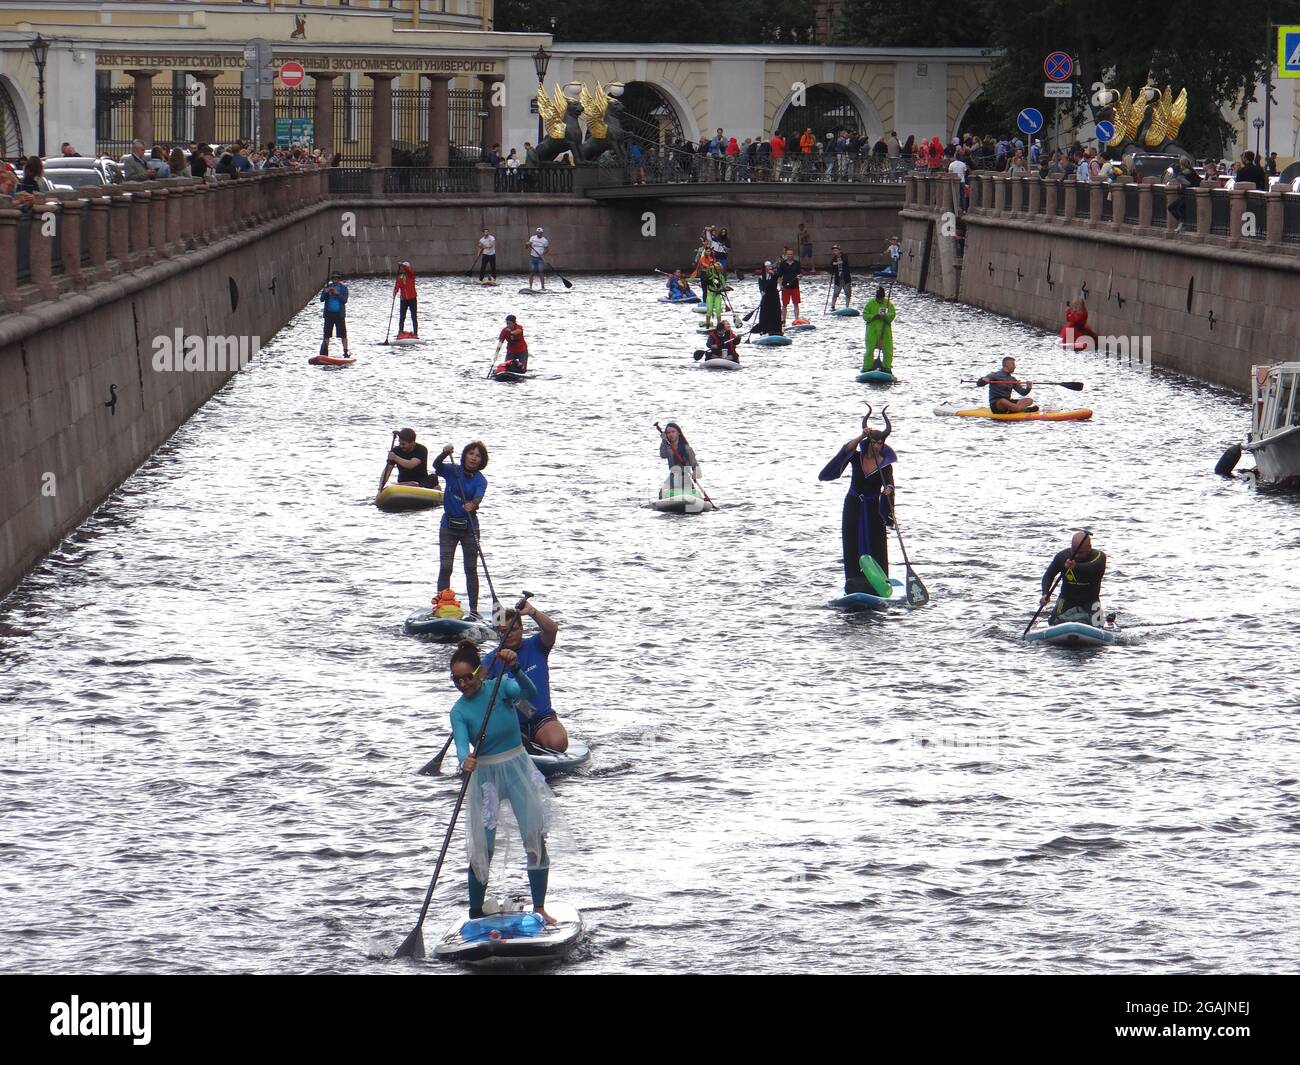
[[405, 287], [722, 342], [1081, 568], [412, 462], [537, 720], [499, 771], [683, 468], [868, 506], [512, 336], [1000, 401]]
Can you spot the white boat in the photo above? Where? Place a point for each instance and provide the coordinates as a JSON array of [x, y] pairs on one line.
[[1274, 438]]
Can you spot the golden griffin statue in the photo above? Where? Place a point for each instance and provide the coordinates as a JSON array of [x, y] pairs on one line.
[[1147, 124]]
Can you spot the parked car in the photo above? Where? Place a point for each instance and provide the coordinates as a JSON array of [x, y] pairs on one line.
[[68, 178], [106, 168]]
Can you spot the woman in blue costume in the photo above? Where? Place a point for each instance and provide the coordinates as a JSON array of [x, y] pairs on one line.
[[868, 507], [500, 771]]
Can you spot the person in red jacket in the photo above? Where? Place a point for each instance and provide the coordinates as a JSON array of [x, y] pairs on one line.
[[777, 145], [512, 336], [405, 285]]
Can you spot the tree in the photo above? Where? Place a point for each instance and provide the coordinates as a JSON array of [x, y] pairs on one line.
[[912, 24], [642, 22]]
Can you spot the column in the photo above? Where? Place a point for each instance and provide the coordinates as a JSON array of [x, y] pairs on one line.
[[1204, 211], [142, 106], [323, 113], [205, 115], [1052, 203], [1237, 212], [72, 219], [1274, 216], [140, 250], [266, 120], [119, 226], [1118, 203], [381, 119], [1096, 190], [1145, 205], [492, 130], [1035, 194], [40, 256], [97, 239], [9, 257], [437, 133]]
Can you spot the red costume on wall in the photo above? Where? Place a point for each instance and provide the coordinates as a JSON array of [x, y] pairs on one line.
[[1077, 334]]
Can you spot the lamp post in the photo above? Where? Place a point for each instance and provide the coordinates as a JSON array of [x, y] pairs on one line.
[[40, 50], [541, 60]]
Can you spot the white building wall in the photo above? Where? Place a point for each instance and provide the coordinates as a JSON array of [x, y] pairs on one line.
[[921, 100]]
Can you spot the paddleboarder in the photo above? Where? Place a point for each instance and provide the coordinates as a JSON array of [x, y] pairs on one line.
[[404, 286], [464, 493], [500, 771], [841, 278], [487, 247], [411, 460], [682, 464], [512, 336], [714, 281], [537, 245], [679, 288], [537, 719], [788, 270], [1081, 568], [335, 298], [868, 506], [722, 342], [769, 302], [879, 315], [1000, 401]]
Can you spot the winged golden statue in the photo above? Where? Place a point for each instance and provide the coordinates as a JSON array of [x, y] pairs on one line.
[[552, 107], [594, 106], [1167, 114], [1126, 117]]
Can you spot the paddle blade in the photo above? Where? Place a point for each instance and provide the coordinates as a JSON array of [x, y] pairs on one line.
[[412, 946], [432, 767], [916, 593], [566, 282], [1073, 386]]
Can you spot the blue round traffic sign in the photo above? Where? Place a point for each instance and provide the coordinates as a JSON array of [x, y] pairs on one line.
[[1105, 131], [1058, 66], [1030, 120]]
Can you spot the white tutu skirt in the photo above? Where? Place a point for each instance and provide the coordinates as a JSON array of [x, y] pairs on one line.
[[507, 792]]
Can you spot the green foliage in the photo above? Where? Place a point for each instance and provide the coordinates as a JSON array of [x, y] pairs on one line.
[[913, 24], [642, 22]]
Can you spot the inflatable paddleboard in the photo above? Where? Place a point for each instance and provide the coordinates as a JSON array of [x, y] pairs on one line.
[[488, 284], [1073, 634], [856, 602], [699, 308], [1081, 414], [772, 341], [552, 763], [877, 377], [407, 497], [680, 501], [718, 364], [329, 360], [499, 374], [515, 934], [404, 340], [846, 312], [802, 327], [423, 623], [541, 292], [692, 300]]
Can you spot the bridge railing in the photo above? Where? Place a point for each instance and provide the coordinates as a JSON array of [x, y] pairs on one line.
[[675, 166]]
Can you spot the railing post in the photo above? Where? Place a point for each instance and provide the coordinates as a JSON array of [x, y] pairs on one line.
[[1275, 215], [986, 193], [376, 181], [1171, 223], [70, 237], [41, 249], [1035, 194], [9, 219], [1118, 204], [158, 242], [97, 238], [1146, 203], [1071, 201], [1237, 212], [140, 249], [1096, 190]]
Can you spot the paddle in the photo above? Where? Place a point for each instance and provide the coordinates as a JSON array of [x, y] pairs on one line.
[[1073, 386], [470, 271], [413, 945], [678, 457], [563, 280], [388, 330], [916, 591], [388, 466], [1048, 597]]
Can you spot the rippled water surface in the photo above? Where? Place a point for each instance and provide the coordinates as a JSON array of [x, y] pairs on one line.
[[214, 721]]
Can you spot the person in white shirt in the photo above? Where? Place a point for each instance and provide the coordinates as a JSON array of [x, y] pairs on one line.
[[487, 247], [537, 245], [958, 167]]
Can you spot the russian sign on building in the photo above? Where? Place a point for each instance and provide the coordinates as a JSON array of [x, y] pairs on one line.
[[331, 63]]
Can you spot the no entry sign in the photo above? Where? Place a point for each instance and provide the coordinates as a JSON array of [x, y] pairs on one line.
[[291, 75]]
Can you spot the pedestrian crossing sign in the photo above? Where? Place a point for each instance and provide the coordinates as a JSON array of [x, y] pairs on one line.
[[1288, 51]]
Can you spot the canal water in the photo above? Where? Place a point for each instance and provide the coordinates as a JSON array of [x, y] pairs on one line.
[[213, 721]]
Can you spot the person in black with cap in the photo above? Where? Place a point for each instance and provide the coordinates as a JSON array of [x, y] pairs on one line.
[[1081, 568]]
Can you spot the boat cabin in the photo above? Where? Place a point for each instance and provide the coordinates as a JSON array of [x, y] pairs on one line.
[[1276, 398]]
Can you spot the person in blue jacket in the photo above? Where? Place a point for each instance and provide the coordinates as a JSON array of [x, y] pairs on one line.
[[679, 288], [499, 771], [335, 297], [869, 504], [464, 488], [537, 719]]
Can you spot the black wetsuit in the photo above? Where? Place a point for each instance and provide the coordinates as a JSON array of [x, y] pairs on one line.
[[1080, 588], [866, 513], [769, 306]]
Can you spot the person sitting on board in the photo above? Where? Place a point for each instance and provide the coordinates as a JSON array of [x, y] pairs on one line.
[[683, 468], [446, 605], [412, 462], [879, 316], [722, 342], [537, 245], [1000, 401], [1076, 327], [868, 506], [487, 246], [405, 285], [335, 297], [465, 488], [512, 336], [788, 270], [537, 720], [1081, 568], [841, 278], [679, 288], [499, 771], [769, 302]]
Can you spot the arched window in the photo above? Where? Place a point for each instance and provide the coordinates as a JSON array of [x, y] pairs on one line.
[[824, 110], [11, 132]]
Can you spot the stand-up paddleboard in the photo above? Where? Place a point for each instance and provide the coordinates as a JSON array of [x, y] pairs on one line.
[[875, 377], [692, 301], [885, 274], [719, 364], [699, 308], [329, 360], [542, 291], [423, 623], [407, 497], [855, 602], [773, 340], [513, 935], [1081, 414], [510, 375], [846, 312], [1073, 634], [680, 501], [487, 283], [551, 763], [405, 339], [801, 326]]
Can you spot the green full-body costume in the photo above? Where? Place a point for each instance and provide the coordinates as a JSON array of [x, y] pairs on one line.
[[880, 334], [715, 283]]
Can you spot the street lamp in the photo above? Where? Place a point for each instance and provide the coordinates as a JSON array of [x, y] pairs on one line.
[[40, 50], [1258, 124], [541, 60]]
